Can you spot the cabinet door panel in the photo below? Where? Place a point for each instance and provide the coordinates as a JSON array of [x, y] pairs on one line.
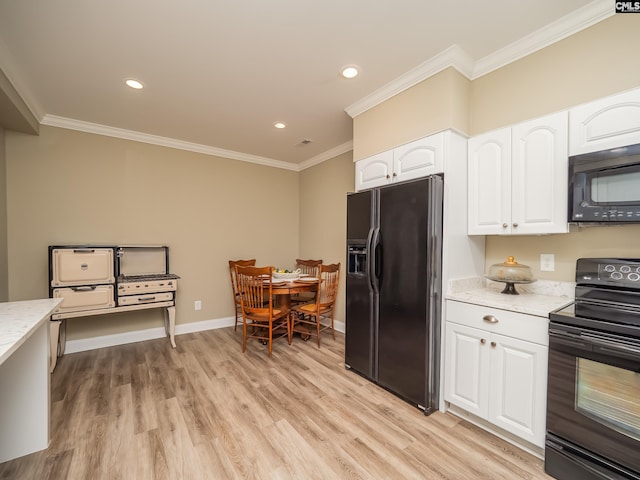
[[539, 176], [518, 387], [606, 123], [489, 164], [419, 159], [374, 171], [467, 369]]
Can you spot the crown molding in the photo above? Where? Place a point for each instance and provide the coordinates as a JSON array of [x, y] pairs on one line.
[[328, 155], [456, 57], [71, 124], [566, 26]]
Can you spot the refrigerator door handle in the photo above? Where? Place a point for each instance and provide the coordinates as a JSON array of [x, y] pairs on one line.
[[376, 267]]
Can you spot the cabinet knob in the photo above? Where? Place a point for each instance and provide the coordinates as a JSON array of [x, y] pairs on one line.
[[395, 174], [504, 225], [483, 341], [493, 344], [515, 225], [490, 319]]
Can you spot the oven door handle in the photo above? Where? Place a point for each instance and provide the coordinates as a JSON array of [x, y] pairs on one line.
[[611, 347], [568, 339]]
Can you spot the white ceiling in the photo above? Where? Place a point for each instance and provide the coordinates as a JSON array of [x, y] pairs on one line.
[[218, 73]]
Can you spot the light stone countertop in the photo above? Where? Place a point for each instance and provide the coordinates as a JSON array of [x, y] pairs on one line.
[[537, 298], [18, 320]]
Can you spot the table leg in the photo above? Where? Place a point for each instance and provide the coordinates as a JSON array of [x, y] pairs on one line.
[[170, 325]]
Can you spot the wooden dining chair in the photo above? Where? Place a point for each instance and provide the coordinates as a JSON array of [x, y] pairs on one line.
[[234, 285], [318, 315], [259, 317], [308, 267]]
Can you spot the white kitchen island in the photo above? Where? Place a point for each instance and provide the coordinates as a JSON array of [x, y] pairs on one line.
[[24, 377]]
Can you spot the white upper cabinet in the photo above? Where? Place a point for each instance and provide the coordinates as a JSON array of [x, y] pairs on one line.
[[489, 184], [419, 159], [374, 171], [606, 123], [518, 179], [413, 160]]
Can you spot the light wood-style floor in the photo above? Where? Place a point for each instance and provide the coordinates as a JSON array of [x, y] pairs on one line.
[[207, 411]]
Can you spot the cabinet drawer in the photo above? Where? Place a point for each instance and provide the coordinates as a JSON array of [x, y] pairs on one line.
[[81, 266], [78, 299], [148, 298], [526, 327]]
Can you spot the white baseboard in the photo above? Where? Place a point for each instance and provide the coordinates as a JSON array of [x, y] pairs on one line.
[[92, 343]]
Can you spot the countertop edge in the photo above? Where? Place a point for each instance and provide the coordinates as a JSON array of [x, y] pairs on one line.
[[538, 298], [33, 313]]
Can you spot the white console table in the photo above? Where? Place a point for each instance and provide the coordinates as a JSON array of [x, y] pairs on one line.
[[24, 377]]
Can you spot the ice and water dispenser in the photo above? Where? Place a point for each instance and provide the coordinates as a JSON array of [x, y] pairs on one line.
[[357, 255]]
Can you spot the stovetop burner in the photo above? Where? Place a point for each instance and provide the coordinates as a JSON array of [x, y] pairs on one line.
[[150, 277]]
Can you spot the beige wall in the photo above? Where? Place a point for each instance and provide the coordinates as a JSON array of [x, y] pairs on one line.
[[4, 272], [591, 64], [71, 187], [323, 214], [436, 104]]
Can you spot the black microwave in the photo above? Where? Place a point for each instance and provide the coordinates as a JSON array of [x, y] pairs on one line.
[[604, 186]]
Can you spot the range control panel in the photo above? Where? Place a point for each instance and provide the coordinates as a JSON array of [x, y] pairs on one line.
[[620, 272]]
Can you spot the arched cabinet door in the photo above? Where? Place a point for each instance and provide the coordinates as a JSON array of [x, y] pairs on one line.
[[419, 159], [605, 123], [374, 171], [539, 170], [489, 201]]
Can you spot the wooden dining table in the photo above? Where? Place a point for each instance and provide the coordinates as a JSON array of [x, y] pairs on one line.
[[284, 290]]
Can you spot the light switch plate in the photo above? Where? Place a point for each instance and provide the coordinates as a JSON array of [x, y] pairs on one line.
[[547, 262], [197, 305]]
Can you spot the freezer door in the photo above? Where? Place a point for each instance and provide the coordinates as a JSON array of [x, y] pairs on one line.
[[359, 329], [360, 297], [408, 256], [360, 215]]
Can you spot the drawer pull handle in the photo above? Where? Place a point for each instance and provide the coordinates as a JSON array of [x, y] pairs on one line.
[[84, 250], [146, 299], [83, 289], [490, 319]]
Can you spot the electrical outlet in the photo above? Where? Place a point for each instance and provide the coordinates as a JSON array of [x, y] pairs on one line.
[[547, 262], [197, 305]]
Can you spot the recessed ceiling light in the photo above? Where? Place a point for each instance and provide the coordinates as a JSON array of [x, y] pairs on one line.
[[134, 83], [349, 71], [279, 125]]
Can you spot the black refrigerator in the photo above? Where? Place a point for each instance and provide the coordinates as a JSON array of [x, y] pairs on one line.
[[393, 288]]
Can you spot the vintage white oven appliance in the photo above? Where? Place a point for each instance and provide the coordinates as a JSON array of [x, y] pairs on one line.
[[101, 279]]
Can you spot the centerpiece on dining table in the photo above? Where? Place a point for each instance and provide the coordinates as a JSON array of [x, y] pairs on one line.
[[285, 274]]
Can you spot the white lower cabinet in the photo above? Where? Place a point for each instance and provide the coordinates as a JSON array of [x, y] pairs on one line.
[[496, 367]]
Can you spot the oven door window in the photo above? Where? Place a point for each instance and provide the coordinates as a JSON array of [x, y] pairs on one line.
[[609, 395]]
